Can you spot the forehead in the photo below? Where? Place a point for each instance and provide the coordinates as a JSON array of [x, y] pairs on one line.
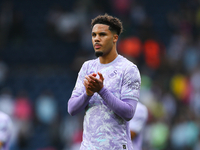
[[100, 28]]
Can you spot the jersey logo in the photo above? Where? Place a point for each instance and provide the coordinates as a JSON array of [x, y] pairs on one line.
[[124, 146], [113, 74], [134, 85]]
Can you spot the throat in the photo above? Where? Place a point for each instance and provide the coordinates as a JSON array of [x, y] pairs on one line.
[[107, 60]]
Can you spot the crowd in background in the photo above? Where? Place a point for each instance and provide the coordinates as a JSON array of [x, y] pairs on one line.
[[44, 43]]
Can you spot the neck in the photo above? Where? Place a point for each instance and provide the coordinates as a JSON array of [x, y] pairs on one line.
[[109, 57]]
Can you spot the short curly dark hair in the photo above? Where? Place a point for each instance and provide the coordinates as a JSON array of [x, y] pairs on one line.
[[114, 23]]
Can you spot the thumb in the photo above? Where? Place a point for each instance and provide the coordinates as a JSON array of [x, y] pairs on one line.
[[100, 76]]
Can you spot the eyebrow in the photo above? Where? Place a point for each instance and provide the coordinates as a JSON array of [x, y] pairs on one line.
[[99, 32]]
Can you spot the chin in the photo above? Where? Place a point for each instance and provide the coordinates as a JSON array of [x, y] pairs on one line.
[[98, 53]]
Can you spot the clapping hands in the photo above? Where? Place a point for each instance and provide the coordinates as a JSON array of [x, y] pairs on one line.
[[93, 84]]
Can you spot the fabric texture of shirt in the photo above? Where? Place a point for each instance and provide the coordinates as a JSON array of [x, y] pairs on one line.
[[103, 128]]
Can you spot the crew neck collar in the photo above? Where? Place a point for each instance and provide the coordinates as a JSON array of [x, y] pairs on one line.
[[118, 56]]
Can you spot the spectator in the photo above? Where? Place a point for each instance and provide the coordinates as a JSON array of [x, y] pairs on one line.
[[46, 108]]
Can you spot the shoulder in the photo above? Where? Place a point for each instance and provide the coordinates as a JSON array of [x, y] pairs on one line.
[[87, 65], [90, 62], [130, 70], [127, 64]]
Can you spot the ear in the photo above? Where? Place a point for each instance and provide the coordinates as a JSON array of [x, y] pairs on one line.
[[115, 38]]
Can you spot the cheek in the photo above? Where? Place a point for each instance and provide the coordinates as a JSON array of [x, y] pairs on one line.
[[109, 42]]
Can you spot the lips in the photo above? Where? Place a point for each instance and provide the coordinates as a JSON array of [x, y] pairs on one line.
[[97, 46]]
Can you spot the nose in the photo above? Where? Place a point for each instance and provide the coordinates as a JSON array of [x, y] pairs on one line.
[[96, 38]]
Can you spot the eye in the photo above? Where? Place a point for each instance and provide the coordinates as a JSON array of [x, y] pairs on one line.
[[102, 34], [93, 34]]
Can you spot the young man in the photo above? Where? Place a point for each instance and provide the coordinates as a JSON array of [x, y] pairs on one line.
[[108, 89], [137, 124], [5, 131]]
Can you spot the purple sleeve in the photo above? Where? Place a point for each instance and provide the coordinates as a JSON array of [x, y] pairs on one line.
[[77, 104], [124, 108]]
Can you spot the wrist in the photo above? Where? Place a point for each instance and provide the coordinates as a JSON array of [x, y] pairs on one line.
[[101, 91], [89, 94]]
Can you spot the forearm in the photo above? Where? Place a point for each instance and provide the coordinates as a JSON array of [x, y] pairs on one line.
[[123, 108], [77, 104]]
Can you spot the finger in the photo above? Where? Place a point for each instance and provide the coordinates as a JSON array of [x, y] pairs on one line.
[[94, 74], [89, 84], [90, 89], [92, 78], [100, 76], [88, 78], [85, 82]]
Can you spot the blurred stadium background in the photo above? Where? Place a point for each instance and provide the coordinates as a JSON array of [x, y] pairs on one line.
[[43, 44]]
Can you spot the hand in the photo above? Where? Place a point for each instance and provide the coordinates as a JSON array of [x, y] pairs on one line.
[[93, 84], [87, 85]]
